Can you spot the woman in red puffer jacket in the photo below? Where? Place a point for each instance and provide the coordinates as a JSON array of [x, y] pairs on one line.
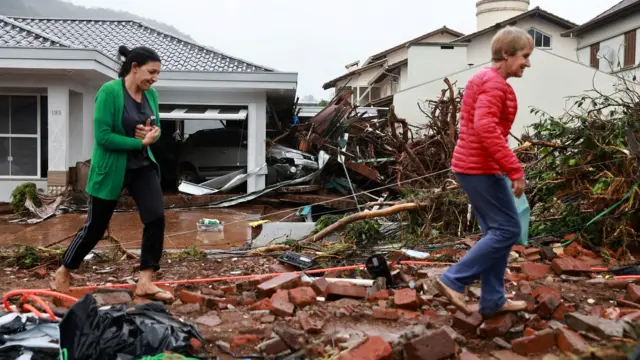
[[482, 161]]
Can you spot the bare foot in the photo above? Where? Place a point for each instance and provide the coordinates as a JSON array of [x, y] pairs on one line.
[[152, 292], [63, 277]]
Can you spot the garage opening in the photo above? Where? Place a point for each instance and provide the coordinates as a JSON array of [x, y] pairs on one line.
[[199, 143]]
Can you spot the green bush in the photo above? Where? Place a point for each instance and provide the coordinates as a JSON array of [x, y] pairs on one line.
[[20, 195]]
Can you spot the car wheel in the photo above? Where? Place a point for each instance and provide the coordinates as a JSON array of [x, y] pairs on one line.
[[189, 176]]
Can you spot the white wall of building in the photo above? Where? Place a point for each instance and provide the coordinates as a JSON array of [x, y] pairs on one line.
[[611, 40], [397, 56], [538, 88], [430, 61], [479, 49]]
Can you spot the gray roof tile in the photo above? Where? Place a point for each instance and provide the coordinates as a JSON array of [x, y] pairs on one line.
[[622, 4], [107, 35], [14, 35]]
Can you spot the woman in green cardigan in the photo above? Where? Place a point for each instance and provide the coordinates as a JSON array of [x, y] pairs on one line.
[[126, 123]]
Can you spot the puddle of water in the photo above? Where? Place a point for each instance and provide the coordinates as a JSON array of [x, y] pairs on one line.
[[181, 229]]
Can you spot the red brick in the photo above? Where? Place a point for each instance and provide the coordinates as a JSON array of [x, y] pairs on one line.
[[273, 346], [336, 291], [507, 355], [406, 299], [195, 344], [634, 292], [617, 284], [531, 251], [560, 312], [569, 266], [537, 323], [468, 323], [407, 314], [310, 324], [520, 249], [386, 314], [536, 271], [516, 277], [374, 348], [229, 290], [281, 268], [630, 304], [282, 307], [211, 302], [189, 297], [380, 295], [302, 296], [264, 304], [540, 343], [112, 298], [496, 326], [244, 340], [320, 286], [468, 356], [529, 332], [543, 290], [284, 281], [437, 345], [41, 273], [529, 299], [573, 249], [548, 303], [281, 295], [570, 342], [525, 287]]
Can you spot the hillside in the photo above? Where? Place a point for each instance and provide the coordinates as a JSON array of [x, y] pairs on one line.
[[62, 9]]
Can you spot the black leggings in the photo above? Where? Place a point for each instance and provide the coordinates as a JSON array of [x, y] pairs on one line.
[[143, 185]]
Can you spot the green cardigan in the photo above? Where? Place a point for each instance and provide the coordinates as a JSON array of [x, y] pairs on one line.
[[111, 146]]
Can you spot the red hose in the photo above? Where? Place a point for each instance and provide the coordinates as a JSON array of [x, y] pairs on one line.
[[40, 302], [10, 294], [31, 308]]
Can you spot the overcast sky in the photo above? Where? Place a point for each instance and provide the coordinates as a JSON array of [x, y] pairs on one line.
[[317, 38]]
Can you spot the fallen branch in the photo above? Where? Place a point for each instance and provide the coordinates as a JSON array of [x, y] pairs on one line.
[[361, 216]]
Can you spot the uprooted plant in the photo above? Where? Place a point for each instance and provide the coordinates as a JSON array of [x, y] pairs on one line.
[[589, 170]]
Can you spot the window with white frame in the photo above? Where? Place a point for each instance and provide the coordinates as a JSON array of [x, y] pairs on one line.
[[19, 135], [540, 39]]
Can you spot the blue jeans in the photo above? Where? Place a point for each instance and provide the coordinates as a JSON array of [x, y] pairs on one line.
[[493, 204]]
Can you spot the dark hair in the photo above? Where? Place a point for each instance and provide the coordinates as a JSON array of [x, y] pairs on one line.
[[139, 55]]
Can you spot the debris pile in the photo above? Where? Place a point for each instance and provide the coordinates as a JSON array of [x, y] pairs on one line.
[[279, 313]]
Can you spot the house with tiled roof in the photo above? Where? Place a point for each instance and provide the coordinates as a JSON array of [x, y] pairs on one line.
[[560, 62], [609, 41], [51, 69]]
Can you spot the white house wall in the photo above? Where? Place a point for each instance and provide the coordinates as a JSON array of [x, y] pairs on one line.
[[611, 39], [479, 49], [397, 56], [404, 77], [428, 62], [618, 27], [538, 88]]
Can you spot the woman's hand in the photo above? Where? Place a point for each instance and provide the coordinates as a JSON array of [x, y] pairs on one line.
[[151, 136], [518, 187], [142, 130]]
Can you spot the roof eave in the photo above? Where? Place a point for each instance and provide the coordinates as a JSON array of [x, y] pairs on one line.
[[443, 29], [601, 21], [537, 12], [332, 83]]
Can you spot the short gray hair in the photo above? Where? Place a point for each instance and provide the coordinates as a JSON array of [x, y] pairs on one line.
[[510, 40]]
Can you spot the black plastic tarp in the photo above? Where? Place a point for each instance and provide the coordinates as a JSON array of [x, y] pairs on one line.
[[87, 332]]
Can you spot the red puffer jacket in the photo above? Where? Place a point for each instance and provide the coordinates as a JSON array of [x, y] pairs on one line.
[[489, 106]]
